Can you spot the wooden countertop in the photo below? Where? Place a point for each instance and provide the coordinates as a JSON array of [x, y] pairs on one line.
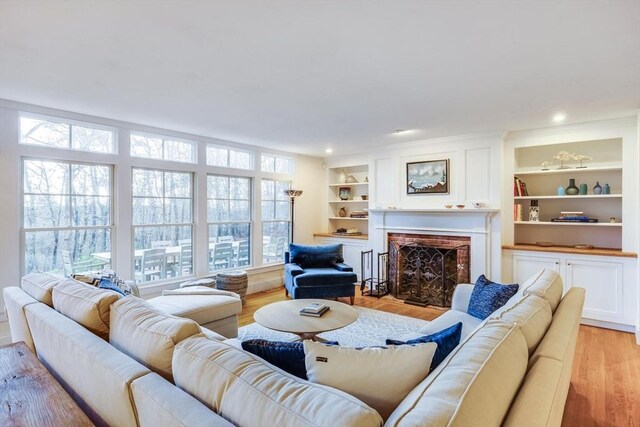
[[572, 250], [30, 395], [357, 236]]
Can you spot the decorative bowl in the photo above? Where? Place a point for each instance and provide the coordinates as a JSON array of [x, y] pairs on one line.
[[448, 206], [479, 205], [460, 206]]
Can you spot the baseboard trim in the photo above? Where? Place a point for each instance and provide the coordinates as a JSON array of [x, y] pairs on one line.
[[265, 285], [610, 325]]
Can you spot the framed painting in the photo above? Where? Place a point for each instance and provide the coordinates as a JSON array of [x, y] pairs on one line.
[[428, 177]]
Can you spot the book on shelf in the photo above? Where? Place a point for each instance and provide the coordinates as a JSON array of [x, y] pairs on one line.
[[517, 212], [519, 187], [585, 219], [315, 313]]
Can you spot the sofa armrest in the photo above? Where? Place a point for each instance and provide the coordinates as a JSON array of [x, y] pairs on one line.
[[461, 297], [287, 257], [292, 269], [341, 266]]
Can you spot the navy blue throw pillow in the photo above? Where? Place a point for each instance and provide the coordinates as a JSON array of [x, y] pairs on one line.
[[315, 256], [108, 284], [488, 296], [447, 339], [288, 356]]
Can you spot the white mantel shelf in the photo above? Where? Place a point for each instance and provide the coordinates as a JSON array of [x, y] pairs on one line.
[[440, 211]]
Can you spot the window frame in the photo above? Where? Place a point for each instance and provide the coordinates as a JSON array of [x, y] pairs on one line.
[[275, 220], [229, 149], [71, 123], [275, 157], [164, 139]]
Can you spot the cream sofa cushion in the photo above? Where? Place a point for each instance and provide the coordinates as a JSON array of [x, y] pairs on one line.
[[160, 403], [96, 375], [146, 334], [40, 285], [15, 300], [532, 314], [86, 304], [203, 309], [360, 372], [248, 391], [546, 284], [473, 386]]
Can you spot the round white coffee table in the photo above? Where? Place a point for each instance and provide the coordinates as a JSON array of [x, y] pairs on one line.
[[284, 316]]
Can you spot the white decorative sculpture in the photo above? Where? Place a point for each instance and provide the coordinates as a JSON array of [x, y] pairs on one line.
[[563, 156], [581, 158], [545, 165]]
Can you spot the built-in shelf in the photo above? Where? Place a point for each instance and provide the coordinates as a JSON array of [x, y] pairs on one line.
[[349, 184], [569, 170], [581, 224], [348, 218], [343, 236], [348, 201], [571, 250], [584, 196]]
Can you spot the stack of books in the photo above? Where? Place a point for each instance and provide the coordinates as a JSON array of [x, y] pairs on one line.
[[314, 310], [573, 216], [359, 214], [519, 187]]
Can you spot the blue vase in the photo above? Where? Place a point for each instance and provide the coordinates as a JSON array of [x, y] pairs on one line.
[[560, 191], [597, 189], [607, 189], [583, 189]]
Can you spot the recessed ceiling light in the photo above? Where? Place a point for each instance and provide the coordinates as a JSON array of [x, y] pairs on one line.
[[403, 131], [328, 151], [559, 117]]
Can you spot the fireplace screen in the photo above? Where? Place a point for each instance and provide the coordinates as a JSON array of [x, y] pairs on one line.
[[422, 274]]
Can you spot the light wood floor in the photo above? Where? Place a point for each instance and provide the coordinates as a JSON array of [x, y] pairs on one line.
[[605, 384]]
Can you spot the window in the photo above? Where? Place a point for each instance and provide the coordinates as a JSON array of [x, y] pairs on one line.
[[277, 164], [163, 224], [229, 221], [66, 216], [218, 155], [57, 134], [275, 220], [158, 147]]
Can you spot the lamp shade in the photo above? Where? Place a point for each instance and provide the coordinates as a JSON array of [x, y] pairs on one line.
[[293, 193]]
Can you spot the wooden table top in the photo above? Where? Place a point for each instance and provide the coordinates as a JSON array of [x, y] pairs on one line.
[[284, 316], [30, 396]]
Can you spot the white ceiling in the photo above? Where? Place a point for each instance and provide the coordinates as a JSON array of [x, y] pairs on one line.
[[306, 75]]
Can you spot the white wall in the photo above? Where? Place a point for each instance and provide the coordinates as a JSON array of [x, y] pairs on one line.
[[475, 174]]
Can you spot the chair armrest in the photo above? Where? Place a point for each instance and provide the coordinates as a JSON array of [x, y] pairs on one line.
[[292, 269], [461, 297], [287, 257], [341, 266]]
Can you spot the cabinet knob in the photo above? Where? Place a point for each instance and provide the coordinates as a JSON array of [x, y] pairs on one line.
[[557, 263], [568, 263]]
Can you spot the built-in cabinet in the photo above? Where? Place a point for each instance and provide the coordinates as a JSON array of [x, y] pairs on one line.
[[348, 198], [609, 282], [351, 249]]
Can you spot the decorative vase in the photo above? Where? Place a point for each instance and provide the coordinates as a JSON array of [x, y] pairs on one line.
[[597, 189], [572, 190], [607, 189], [342, 212], [560, 191], [342, 178], [583, 189], [534, 211]]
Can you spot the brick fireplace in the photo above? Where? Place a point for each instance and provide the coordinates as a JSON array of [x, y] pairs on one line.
[[424, 269]]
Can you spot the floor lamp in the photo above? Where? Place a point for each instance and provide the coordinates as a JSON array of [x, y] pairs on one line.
[[292, 194]]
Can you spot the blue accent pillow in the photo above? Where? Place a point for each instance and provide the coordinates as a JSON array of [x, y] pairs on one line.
[[447, 339], [488, 296], [288, 356], [108, 284], [315, 256]]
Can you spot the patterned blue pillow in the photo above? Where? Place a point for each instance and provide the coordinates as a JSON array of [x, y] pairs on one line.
[[315, 256], [288, 356], [488, 296], [447, 339], [108, 284]]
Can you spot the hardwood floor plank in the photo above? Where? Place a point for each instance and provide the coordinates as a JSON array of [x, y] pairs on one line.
[[605, 382]]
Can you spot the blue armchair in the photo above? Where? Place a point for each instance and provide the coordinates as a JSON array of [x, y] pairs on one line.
[[318, 272]]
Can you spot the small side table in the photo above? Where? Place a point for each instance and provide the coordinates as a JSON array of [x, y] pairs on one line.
[[234, 281]]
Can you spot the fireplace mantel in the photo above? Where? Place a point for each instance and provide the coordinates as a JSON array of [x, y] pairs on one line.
[[456, 211]]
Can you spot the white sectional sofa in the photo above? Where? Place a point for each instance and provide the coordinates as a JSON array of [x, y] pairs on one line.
[[512, 369]]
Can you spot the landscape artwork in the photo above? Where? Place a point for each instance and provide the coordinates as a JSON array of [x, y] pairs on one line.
[[428, 177]]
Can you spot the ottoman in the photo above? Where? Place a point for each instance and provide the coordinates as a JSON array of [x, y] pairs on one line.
[[211, 308], [234, 281]]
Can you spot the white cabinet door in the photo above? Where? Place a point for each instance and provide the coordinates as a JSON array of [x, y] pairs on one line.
[[351, 250], [604, 286], [525, 266]]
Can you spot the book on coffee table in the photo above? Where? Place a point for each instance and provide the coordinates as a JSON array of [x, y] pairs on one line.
[[319, 313]]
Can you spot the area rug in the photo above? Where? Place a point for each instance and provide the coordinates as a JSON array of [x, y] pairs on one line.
[[373, 327]]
